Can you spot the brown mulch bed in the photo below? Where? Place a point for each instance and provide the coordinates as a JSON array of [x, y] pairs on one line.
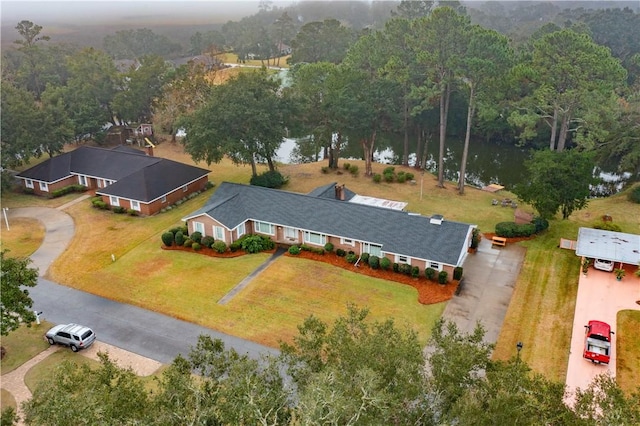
[[429, 292]]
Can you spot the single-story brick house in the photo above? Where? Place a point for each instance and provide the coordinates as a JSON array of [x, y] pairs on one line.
[[123, 176], [327, 214]]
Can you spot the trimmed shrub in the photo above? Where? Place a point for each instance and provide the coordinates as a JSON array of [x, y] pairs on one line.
[[294, 250], [410, 176], [119, 210], [312, 249], [374, 262], [512, 229], [351, 258], [606, 226], [385, 263], [328, 247], [196, 236], [430, 273], [457, 273], [365, 257], [325, 169], [405, 268], [340, 252], [207, 241], [388, 177], [253, 243], [132, 212], [475, 238], [377, 178], [269, 179], [188, 242], [167, 239], [540, 224], [219, 246], [353, 170], [346, 166], [634, 195], [67, 190], [99, 204], [396, 267], [179, 238], [196, 246], [415, 271], [442, 277], [389, 170], [402, 178]]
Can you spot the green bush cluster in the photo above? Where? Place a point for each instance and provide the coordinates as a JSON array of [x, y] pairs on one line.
[[328, 247], [207, 241], [295, 250], [606, 226], [374, 262], [252, 243], [196, 236], [179, 238], [365, 257], [351, 258], [540, 223], [634, 194], [390, 175], [67, 190], [119, 209], [269, 179], [132, 212], [188, 242], [340, 252], [196, 246], [168, 239], [219, 246], [512, 229], [377, 178], [353, 169], [99, 204], [442, 277], [405, 268]]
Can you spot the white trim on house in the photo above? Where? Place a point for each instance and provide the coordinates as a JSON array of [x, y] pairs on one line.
[[28, 183], [401, 258], [44, 186], [241, 229], [135, 205], [435, 265], [82, 180], [114, 201], [218, 233], [347, 241], [371, 248], [199, 227], [314, 238], [258, 224]]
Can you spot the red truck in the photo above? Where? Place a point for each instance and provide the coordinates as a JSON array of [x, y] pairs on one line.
[[597, 342]]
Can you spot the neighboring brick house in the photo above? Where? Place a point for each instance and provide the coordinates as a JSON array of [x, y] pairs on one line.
[[326, 215], [123, 176]]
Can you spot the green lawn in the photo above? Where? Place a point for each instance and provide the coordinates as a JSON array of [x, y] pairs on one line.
[[22, 345], [628, 350]]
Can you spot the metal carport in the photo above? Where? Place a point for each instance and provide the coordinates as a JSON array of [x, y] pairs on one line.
[[608, 245]]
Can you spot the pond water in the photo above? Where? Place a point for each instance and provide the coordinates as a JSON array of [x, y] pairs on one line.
[[487, 163]]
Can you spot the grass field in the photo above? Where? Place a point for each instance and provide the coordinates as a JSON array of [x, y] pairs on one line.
[[188, 286], [628, 349], [23, 237]]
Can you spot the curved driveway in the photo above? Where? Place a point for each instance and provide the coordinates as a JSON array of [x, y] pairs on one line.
[[128, 327]]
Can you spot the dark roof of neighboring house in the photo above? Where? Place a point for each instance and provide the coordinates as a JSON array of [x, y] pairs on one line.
[[154, 181], [138, 176], [397, 231]]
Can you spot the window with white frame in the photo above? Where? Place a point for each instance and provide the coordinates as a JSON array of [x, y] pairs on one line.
[[290, 233], [315, 238], [184, 188], [435, 265], [163, 199], [347, 241], [44, 186], [372, 249], [28, 183], [242, 229], [135, 205], [198, 227], [114, 201], [218, 233], [264, 228], [402, 259], [82, 180]]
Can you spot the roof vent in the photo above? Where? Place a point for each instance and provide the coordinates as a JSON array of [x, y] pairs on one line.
[[436, 219]]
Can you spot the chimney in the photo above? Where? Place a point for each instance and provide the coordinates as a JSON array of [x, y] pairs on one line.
[[337, 190], [342, 192], [149, 150]]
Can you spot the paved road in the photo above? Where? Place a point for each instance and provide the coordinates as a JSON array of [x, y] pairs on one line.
[[128, 327]]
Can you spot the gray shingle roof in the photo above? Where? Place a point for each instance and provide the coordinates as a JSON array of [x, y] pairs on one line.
[[138, 176], [398, 232]]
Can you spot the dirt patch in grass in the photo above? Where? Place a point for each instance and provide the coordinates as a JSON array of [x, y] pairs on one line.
[[429, 292]]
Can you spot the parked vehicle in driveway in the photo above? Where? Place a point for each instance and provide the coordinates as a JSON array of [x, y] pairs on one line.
[[73, 335], [597, 342], [603, 265]]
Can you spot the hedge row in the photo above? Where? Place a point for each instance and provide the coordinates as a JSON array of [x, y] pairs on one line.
[[512, 229], [67, 190], [97, 203]]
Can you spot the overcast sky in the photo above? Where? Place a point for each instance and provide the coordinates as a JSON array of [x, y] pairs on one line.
[[85, 11]]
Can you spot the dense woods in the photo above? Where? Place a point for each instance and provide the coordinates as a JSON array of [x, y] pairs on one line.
[[530, 74]]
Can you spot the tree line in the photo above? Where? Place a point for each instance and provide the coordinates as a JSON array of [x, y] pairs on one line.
[[352, 372]]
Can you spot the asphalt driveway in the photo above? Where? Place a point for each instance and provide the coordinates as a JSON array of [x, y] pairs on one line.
[[600, 297]]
